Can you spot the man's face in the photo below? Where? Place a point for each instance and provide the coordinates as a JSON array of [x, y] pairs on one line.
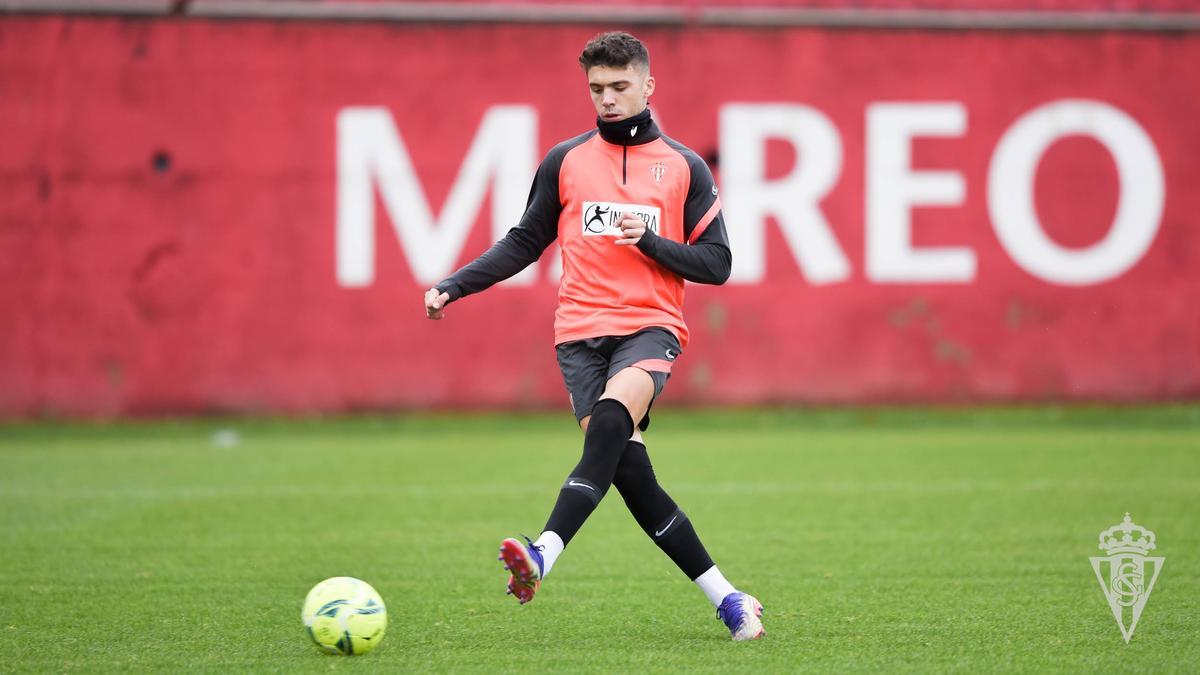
[[619, 93]]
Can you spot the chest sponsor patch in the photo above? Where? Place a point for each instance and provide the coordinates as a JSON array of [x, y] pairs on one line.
[[600, 218]]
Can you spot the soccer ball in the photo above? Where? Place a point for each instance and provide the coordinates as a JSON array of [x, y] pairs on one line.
[[345, 615]]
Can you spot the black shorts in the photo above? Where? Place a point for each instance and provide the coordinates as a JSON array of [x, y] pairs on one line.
[[588, 364]]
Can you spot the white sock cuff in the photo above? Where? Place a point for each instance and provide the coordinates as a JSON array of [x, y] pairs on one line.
[[714, 585], [552, 545]]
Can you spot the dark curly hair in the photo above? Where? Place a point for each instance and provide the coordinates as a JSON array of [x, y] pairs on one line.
[[614, 50]]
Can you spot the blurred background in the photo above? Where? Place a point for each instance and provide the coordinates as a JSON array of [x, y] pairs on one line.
[[234, 206]]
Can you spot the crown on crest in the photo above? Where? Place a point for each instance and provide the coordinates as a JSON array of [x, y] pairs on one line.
[[1119, 538]]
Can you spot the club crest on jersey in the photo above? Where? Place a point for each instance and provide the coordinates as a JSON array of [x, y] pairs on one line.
[[600, 218], [658, 170]]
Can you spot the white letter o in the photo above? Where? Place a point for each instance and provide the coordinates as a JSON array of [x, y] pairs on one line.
[[1139, 203]]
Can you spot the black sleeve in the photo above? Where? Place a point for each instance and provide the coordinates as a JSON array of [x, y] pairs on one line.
[[705, 261], [703, 258], [524, 243]]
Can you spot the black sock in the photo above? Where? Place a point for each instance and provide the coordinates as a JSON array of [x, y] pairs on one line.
[[609, 429], [657, 514]]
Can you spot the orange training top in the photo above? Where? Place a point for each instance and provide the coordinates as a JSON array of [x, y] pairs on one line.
[[579, 193]]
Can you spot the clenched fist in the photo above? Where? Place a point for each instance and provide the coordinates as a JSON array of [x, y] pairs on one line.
[[435, 303]]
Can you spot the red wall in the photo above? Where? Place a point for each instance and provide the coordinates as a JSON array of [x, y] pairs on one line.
[[210, 284], [956, 5]]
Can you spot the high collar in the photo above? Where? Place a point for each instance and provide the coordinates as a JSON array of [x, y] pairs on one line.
[[635, 130]]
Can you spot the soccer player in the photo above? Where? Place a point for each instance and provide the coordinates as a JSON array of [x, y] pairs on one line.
[[635, 213]]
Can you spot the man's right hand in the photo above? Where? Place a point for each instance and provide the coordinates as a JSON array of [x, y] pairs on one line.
[[435, 303]]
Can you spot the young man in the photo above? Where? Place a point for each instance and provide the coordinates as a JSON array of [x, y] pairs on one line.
[[635, 214]]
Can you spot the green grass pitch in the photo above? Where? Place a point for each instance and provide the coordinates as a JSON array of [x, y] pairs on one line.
[[878, 540]]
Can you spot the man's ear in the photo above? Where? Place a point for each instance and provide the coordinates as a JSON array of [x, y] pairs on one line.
[[649, 88]]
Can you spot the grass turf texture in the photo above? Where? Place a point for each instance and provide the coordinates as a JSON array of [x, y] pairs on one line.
[[877, 540]]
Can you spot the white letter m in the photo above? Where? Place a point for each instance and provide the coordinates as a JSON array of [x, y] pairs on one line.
[[370, 153]]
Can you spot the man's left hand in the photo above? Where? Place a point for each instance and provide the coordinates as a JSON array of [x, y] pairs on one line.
[[632, 230]]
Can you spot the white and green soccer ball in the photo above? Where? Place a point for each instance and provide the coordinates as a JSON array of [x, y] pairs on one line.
[[345, 615]]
